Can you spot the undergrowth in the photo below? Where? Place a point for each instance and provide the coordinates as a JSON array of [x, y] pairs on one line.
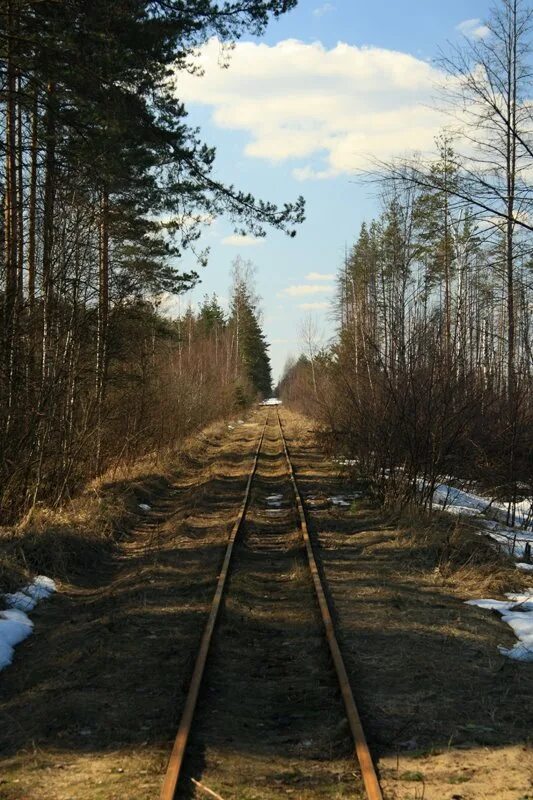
[[72, 540], [78, 538], [458, 553]]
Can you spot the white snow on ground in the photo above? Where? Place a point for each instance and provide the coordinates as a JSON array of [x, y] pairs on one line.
[[344, 500], [516, 611], [524, 567], [345, 462], [27, 598], [339, 501], [15, 625], [446, 495], [144, 507], [272, 401], [20, 600], [449, 497], [492, 516], [40, 588]]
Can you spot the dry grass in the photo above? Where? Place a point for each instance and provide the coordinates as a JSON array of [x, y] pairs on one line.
[[80, 536], [72, 540], [427, 671], [458, 553], [90, 707]]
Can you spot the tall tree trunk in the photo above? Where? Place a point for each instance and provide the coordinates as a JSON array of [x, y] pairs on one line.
[[48, 226], [103, 315], [32, 209], [511, 188], [20, 200], [447, 293], [11, 222]]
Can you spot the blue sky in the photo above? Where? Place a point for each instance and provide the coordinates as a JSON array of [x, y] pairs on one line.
[[299, 111]]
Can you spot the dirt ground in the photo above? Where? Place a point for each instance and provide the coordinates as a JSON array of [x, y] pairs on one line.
[[447, 716], [89, 709], [92, 701], [270, 722]]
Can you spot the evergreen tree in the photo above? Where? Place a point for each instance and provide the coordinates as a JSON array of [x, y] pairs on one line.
[[250, 345], [98, 149], [211, 317]]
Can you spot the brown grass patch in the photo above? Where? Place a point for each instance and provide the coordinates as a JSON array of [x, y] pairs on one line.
[[459, 553], [77, 538]]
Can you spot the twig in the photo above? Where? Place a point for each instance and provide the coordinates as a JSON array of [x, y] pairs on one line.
[[205, 789]]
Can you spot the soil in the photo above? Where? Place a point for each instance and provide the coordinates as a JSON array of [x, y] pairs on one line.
[[270, 722], [447, 716], [92, 701], [89, 709]]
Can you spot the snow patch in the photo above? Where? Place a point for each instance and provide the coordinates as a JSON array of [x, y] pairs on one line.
[[524, 567], [272, 401], [447, 496], [144, 507], [344, 500], [492, 516], [345, 462], [274, 500], [40, 588], [20, 600], [15, 625], [516, 611]]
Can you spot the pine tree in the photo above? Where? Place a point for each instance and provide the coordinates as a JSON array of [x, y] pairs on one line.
[[97, 150]]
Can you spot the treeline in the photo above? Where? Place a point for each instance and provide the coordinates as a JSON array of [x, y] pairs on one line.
[[431, 375], [104, 186], [169, 377]]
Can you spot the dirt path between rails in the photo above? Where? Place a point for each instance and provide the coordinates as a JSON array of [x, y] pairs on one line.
[[270, 722], [447, 716], [92, 701]]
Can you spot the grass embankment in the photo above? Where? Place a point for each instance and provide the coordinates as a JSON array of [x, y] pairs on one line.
[[459, 554], [79, 537], [446, 713], [75, 539], [91, 704]]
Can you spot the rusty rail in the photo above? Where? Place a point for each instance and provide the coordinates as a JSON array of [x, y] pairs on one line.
[[370, 780], [362, 751], [175, 763]]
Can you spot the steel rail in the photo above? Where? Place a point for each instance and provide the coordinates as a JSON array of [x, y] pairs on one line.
[[175, 762], [368, 772]]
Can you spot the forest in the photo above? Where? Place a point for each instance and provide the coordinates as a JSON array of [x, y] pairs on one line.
[[105, 188], [430, 376]]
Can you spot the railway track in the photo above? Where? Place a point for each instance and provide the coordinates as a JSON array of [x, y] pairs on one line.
[[271, 558]]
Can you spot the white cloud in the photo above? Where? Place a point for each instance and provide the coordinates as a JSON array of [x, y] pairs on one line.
[[319, 276], [328, 109], [304, 289], [238, 240], [473, 29], [323, 9], [314, 306]]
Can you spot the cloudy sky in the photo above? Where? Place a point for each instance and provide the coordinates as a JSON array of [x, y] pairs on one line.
[[331, 86]]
